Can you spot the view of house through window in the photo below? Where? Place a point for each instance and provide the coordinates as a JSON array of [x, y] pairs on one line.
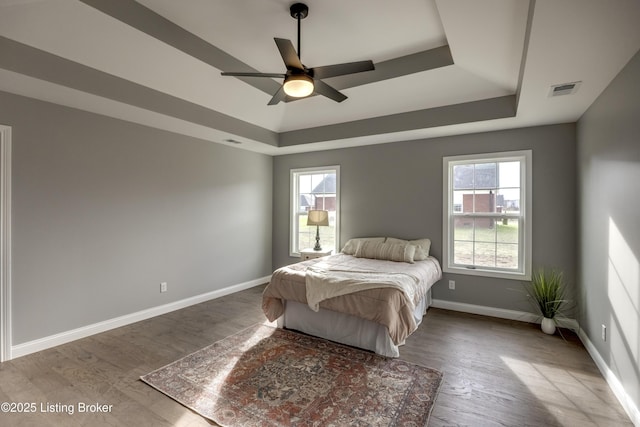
[[314, 189], [485, 214]]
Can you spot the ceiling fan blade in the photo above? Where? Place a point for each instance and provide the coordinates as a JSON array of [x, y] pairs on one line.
[[273, 75], [279, 96], [341, 69], [322, 88], [288, 53]]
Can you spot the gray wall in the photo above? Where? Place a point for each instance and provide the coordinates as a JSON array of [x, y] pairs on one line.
[[608, 137], [104, 210], [396, 190]]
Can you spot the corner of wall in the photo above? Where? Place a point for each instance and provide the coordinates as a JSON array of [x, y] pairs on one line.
[[616, 386]]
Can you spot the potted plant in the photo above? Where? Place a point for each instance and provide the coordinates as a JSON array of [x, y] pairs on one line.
[[547, 288]]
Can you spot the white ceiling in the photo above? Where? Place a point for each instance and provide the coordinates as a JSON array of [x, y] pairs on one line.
[[98, 55]]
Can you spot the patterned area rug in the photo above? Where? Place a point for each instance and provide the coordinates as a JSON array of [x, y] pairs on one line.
[[264, 376]]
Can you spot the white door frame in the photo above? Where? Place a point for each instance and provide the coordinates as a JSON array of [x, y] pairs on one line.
[[5, 244]]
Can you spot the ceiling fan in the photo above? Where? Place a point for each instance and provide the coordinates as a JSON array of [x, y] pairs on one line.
[[300, 81]]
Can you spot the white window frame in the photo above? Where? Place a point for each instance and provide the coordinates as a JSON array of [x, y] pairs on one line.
[[523, 272], [294, 251]]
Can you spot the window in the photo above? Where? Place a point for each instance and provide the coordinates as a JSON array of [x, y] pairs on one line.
[[487, 215], [314, 189]]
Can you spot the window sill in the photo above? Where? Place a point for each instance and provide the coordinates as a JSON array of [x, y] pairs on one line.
[[488, 273]]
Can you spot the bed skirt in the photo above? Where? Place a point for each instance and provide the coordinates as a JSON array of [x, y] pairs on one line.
[[345, 328]]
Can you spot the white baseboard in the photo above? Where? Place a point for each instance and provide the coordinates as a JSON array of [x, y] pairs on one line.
[[501, 313], [614, 383], [486, 311], [85, 331], [625, 400]]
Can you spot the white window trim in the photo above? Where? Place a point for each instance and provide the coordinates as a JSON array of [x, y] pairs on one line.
[[524, 250], [293, 191]]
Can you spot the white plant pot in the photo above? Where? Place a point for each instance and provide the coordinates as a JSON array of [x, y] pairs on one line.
[[548, 326]]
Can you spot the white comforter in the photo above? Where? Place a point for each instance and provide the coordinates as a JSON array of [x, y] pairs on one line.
[[323, 284], [388, 304]]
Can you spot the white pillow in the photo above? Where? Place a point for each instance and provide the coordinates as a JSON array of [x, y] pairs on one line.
[[423, 246], [352, 245], [386, 251], [396, 241]]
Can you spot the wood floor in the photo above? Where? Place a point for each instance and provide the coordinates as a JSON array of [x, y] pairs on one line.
[[496, 372]]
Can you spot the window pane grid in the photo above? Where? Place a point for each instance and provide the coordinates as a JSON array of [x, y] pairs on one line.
[[486, 242], [485, 225], [313, 190]]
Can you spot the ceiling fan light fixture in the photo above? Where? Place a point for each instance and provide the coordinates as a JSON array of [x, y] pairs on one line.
[[300, 81], [298, 85]]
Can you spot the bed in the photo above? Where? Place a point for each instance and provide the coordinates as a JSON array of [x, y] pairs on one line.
[[372, 295]]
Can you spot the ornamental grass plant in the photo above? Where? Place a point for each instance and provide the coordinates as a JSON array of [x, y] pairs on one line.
[[547, 288]]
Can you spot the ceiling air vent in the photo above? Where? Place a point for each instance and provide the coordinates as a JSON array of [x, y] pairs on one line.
[[564, 89]]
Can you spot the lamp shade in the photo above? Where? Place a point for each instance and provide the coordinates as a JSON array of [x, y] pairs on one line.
[[318, 218], [298, 85]]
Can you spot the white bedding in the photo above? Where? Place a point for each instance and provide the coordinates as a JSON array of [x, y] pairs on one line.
[[392, 310], [323, 284], [345, 328]]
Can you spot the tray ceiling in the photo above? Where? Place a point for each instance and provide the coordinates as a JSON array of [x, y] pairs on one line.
[[442, 67]]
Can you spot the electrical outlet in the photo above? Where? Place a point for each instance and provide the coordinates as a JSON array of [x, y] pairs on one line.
[[452, 284], [604, 332], [163, 287]]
